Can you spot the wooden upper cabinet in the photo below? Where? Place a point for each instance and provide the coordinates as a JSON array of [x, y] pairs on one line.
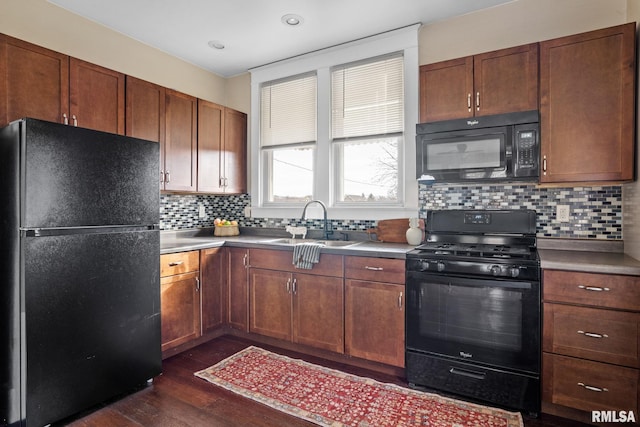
[[222, 149], [587, 106], [235, 151], [97, 97], [145, 115], [34, 82], [506, 80], [210, 147], [47, 85], [446, 89], [502, 81], [180, 147]]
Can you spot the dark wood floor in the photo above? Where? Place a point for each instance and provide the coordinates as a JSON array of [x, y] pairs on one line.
[[177, 398]]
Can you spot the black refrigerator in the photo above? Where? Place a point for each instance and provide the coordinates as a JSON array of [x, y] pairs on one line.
[[79, 264]]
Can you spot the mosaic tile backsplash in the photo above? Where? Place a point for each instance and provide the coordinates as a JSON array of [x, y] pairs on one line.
[[595, 212]]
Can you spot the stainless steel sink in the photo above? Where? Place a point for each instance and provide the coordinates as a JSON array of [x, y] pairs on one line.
[[328, 243]]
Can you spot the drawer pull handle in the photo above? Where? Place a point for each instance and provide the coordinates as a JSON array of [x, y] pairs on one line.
[[593, 288], [592, 388], [366, 267], [175, 263], [593, 334]]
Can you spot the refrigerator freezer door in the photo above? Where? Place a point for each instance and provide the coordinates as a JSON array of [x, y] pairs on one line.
[[74, 177], [92, 314]]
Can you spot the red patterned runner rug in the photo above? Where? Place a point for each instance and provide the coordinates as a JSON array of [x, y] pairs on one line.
[[329, 397]]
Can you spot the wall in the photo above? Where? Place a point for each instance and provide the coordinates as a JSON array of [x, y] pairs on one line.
[[631, 200], [44, 24], [516, 23]]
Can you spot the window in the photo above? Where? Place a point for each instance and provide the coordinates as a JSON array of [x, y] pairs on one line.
[[338, 125], [288, 138], [367, 112]]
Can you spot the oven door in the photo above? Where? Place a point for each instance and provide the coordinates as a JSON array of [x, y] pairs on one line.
[[488, 321]]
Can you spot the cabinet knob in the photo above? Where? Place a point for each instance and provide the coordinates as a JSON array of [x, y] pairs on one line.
[[175, 263], [65, 119], [75, 120], [477, 101], [469, 102]]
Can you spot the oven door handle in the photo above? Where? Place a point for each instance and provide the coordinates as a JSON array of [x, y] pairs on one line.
[[464, 281], [468, 373]]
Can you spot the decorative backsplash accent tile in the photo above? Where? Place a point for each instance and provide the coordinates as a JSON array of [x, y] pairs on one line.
[[180, 211], [595, 212]]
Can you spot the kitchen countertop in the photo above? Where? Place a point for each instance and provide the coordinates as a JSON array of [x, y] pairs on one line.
[[558, 254], [189, 240], [586, 256]]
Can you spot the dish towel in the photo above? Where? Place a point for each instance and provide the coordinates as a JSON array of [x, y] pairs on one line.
[[306, 254]]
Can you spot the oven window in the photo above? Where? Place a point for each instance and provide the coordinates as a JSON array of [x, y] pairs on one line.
[[481, 316], [496, 322], [468, 153]]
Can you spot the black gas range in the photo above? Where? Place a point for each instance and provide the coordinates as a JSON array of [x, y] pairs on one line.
[[479, 243], [473, 307]]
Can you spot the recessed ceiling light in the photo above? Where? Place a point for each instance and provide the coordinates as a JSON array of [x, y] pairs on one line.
[[292, 19], [216, 44]]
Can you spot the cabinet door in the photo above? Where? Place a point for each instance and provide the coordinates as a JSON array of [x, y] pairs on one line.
[[318, 311], [506, 80], [374, 321], [213, 264], [179, 309], [235, 151], [145, 110], [270, 302], [96, 97], [587, 106], [34, 82], [180, 147], [238, 289], [210, 147], [446, 90], [145, 113]]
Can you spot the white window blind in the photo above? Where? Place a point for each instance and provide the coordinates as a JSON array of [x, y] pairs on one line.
[[368, 98], [288, 111]]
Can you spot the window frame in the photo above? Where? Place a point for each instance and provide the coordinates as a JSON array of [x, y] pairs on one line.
[[404, 40]]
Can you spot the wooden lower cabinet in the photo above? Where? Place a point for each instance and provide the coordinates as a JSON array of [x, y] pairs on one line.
[[589, 386], [180, 309], [238, 289], [303, 308], [590, 351], [212, 288], [179, 298], [374, 321]]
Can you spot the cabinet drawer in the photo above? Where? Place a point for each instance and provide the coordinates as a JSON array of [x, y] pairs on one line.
[[178, 263], [589, 333], [329, 264], [602, 290], [375, 269], [588, 386]]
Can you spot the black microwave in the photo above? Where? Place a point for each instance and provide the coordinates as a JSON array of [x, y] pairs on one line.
[[501, 147]]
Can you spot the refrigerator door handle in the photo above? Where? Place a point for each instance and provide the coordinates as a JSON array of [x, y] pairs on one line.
[[65, 231]]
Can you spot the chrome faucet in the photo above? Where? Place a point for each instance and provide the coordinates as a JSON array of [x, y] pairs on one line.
[[327, 227]]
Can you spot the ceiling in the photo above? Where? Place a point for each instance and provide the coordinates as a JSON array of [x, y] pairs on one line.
[[252, 31]]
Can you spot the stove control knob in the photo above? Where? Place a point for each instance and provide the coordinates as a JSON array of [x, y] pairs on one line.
[[495, 270], [515, 271], [424, 265], [440, 266]]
